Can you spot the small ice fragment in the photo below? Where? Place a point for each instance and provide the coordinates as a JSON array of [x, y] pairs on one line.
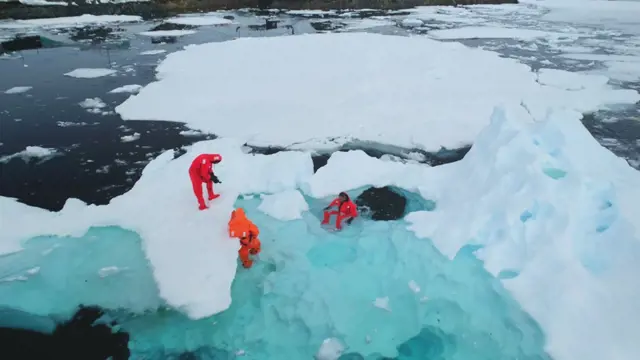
[[240, 352], [18, 89], [88, 73], [109, 270], [133, 88], [331, 349], [33, 271], [367, 339], [414, 286], [92, 103], [153, 52], [382, 303], [130, 138], [424, 299]]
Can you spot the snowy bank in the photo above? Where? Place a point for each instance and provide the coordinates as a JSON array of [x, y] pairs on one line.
[[199, 20], [168, 33], [333, 98]]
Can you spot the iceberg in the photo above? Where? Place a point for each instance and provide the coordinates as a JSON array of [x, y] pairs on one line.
[[548, 212]]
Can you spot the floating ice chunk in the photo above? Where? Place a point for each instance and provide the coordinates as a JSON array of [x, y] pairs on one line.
[[309, 13], [18, 89], [362, 24], [412, 23], [32, 152], [331, 349], [284, 206], [130, 138], [33, 271], [199, 20], [153, 52], [191, 133], [240, 352], [168, 33], [570, 81], [92, 103], [414, 286], [126, 89], [90, 73], [382, 303], [187, 88], [487, 32]]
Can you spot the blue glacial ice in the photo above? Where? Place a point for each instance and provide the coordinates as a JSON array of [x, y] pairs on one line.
[[508, 263]]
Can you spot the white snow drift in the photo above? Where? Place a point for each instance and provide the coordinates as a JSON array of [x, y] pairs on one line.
[[168, 33], [199, 20], [452, 94]]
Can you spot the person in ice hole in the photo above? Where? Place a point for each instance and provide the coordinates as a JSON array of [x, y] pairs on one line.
[[346, 210], [201, 171], [245, 230]]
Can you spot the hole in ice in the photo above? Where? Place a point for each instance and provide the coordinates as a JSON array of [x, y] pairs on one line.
[[526, 215], [554, 173], [105, 267], [508, 274]]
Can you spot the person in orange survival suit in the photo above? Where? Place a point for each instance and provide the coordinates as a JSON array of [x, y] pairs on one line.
[[201, 171], [346, 210], [247, 232]]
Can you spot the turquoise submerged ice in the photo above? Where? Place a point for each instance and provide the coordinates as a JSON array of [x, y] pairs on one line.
[[53, 275], [375, 287]]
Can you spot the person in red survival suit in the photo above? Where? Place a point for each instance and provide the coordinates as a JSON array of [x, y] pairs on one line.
[[346, 210], [201, 171]]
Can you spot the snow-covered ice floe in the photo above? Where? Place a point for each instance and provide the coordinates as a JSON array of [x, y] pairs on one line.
[[70, 21], [167, 33], [31, 152], [493, 32], [18, 89], [153, 52], [90, 73], [133, 88], [410, 90], [193, 272], [199, 20]]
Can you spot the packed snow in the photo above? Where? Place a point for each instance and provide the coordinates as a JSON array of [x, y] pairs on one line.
[[187, 90], [200, 20], [133, 88], [18, 89], [31, 152], [153, 52], [43, 3], [90, 73], [71, 21], [285, 206], [168, 33]]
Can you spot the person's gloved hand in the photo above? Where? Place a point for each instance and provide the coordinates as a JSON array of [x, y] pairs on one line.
[[349, 220], [327, 208], [215, 179]]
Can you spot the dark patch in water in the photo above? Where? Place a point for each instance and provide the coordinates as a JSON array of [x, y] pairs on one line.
[[21, 43], [79, 338], [381, 204], [319, 161], [171, 26]]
